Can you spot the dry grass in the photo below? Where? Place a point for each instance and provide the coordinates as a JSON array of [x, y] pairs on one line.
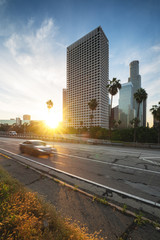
[[23, 215]]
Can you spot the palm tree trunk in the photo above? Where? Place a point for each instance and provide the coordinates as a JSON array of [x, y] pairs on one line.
[[136, 123], [111, 104], [159, 133], [110, 118]]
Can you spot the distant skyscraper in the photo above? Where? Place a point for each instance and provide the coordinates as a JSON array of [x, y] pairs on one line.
[[135, 79], [126, 111], [87, 76], [27, 117], [18, 121]]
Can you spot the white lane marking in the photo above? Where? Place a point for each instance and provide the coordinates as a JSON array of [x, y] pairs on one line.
[[112, 164], [147, 159], [89, 181]]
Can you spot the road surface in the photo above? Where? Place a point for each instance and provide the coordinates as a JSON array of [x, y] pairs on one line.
[[131, 170]]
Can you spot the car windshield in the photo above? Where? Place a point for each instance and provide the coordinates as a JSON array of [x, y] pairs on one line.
[[39, 143]]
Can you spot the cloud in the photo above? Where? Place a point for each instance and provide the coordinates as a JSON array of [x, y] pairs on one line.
[[151, 62], [45, 30], [2, 2], [156, 48], [33, 69]]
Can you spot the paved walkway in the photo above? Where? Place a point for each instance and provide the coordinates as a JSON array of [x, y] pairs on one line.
[[73, 204]]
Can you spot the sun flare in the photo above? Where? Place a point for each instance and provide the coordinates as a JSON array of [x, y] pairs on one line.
[[52, 119], [52, 123]]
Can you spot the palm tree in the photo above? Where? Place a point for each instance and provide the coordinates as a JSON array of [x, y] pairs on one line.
[[92, 105], [155, 110], [119, 122], [49, 104], [134, 122], [140, 96], [113, 86]]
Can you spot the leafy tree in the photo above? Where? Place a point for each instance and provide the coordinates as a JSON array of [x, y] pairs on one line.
[[113, 86], [116, 124], [155, 110], [119, 122], [92, 105], [134, 122]]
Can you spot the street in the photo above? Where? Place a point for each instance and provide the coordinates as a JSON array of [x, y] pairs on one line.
[[132, 170]]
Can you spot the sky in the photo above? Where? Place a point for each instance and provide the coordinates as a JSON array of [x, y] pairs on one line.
[[34, 35]]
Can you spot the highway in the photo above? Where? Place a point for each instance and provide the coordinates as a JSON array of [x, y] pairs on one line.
[[132, 170]]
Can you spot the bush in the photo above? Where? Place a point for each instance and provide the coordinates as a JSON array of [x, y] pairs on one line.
[[147, 135], [99, 133], [23, 215], [143, 134]]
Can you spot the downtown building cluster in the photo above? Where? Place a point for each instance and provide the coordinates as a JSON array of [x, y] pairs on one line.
[[128, 106], [87, 78]]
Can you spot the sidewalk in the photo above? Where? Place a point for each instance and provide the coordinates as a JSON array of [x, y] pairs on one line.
[[73, 204]]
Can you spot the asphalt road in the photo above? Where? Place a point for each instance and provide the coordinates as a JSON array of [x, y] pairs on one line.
[[131, 170]]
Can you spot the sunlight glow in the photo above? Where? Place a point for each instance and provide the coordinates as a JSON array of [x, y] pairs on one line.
[[52, 123], [52, 119]]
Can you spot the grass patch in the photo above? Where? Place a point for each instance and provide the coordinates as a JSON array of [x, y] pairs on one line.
[[23, 215]]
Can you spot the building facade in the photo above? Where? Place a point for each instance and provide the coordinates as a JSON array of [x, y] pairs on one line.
[[126, 110], [87, 76], [128, 106], [135, 79], [64, 106], [27, 117]]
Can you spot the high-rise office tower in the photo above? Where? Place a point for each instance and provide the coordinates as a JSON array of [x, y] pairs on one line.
[[126, 111], [27, 117], [87, 76], [64, 105], [135, 79]]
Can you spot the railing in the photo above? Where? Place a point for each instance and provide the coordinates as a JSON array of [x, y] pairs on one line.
[[71, 138]]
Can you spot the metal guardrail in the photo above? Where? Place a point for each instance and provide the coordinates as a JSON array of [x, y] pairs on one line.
[[110, 194], [84, 140]]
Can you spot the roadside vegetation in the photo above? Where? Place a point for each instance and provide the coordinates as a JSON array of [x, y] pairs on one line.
[[23, 215], [143, 134], [116, 133]]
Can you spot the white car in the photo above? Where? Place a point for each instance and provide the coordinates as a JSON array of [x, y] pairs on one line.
[[12, 133], [36, 148]]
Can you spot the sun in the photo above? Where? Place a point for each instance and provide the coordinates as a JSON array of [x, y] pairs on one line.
[[52, 123], [52, 119]]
